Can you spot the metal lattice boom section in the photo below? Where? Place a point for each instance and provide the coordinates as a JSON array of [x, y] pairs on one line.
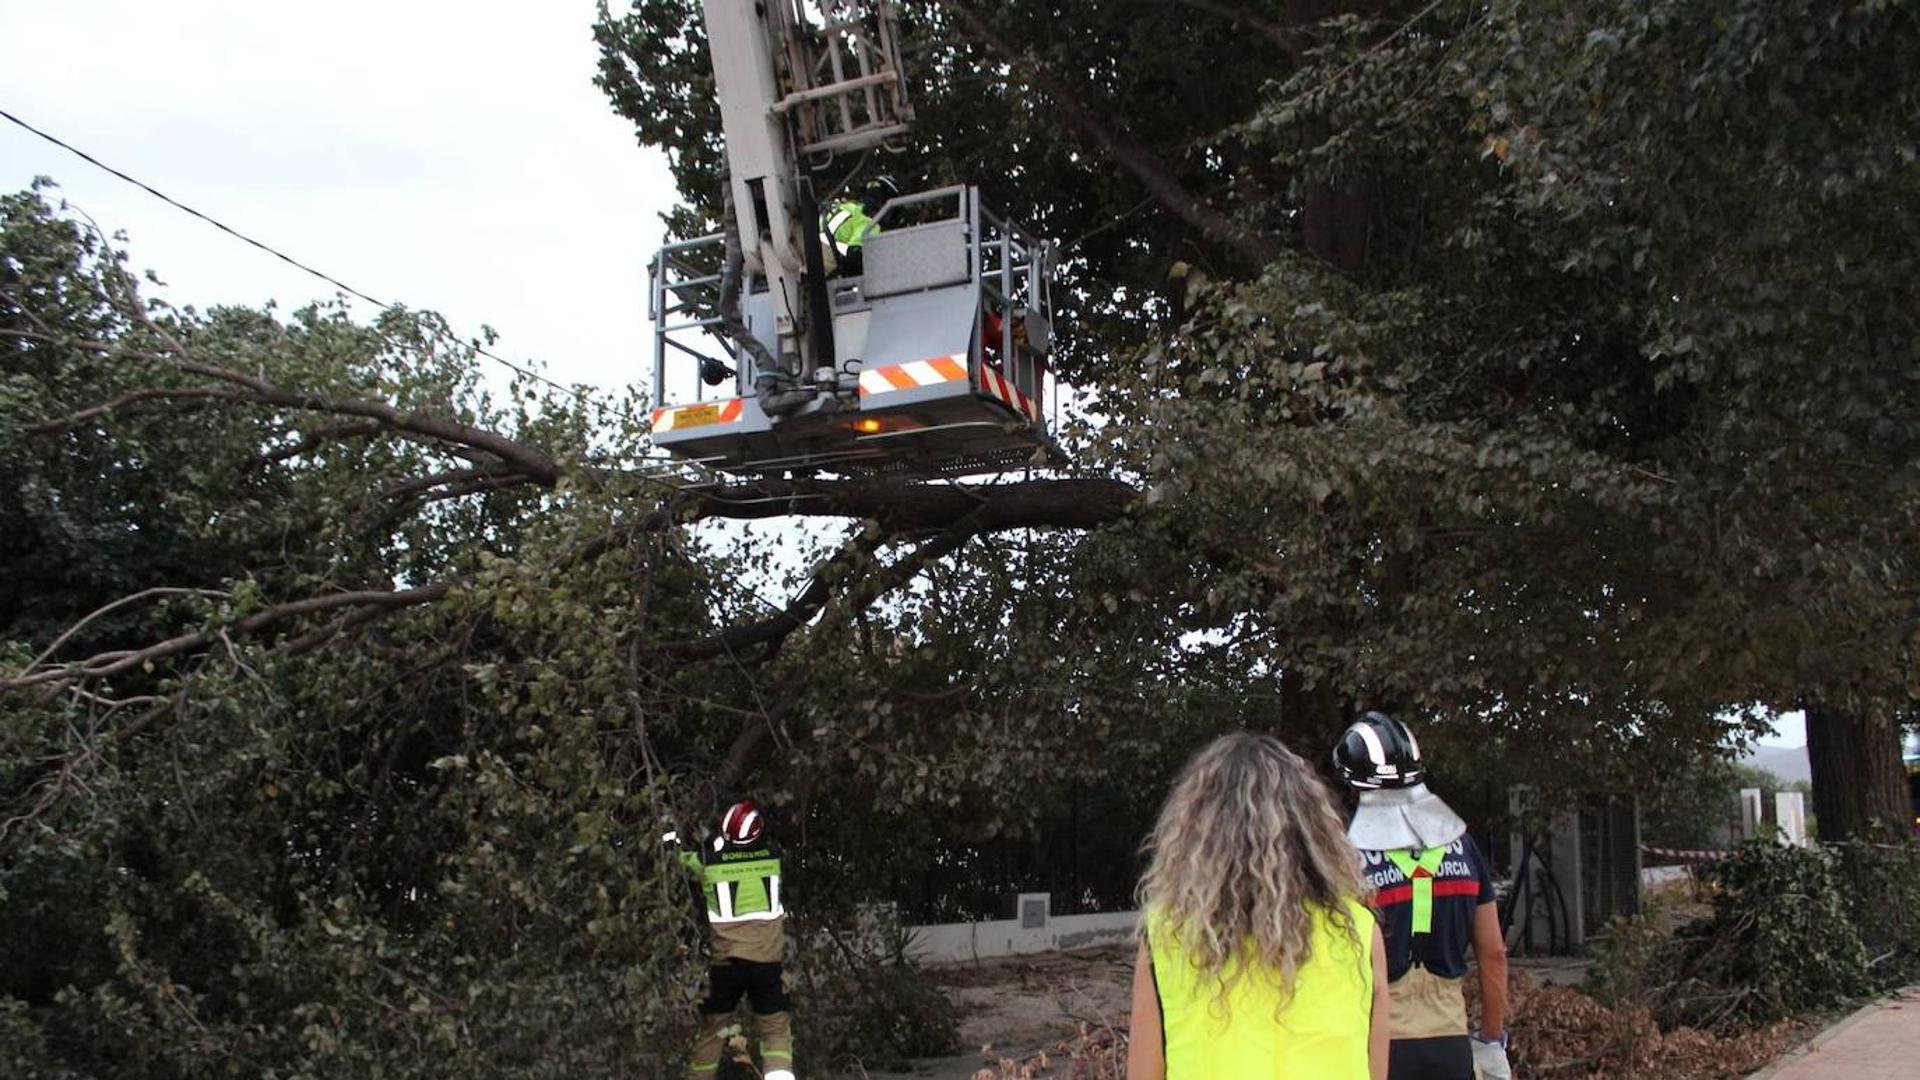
[[844, 87]]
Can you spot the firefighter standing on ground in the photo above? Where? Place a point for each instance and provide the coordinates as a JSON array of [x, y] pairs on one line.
[[1435, 902], [739, 871]]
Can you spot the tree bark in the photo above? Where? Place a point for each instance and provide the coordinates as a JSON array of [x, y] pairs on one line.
[[1312, 717], [1337, 218], [1859, 783], [1072, 503]]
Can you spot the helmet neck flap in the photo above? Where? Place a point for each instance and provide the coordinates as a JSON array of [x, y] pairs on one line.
[[1408, 817]]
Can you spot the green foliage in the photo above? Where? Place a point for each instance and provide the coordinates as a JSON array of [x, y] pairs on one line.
[[1632, 960], [1588, 339], [1561, 447], [407, 857], [1883, 893], [1576, 408], [1793, 930], [1785, 938], [426, 849], [869, 1003], [1786, 917]]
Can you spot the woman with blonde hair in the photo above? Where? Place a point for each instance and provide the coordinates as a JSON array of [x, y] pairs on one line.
[[1259, 959]]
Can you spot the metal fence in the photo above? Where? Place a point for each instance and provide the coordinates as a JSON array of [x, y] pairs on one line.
[[1086, 855]]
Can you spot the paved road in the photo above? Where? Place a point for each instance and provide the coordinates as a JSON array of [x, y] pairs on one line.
[[1880, 1043]]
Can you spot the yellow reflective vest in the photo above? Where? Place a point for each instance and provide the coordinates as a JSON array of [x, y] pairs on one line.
[[846, 223], [1317, 1030], [745, 915]]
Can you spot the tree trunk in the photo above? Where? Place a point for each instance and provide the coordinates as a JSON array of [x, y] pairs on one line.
[[1335, 225], [1859, 784], [1311, 718], [1337, 218]]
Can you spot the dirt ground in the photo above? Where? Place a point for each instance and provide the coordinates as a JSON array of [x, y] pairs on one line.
[[1016, 1006]]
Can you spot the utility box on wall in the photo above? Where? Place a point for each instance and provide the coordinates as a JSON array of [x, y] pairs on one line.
[[1574, 874], [1033, 909]]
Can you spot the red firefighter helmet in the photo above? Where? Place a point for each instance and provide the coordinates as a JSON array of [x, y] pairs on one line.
[[743, 823]]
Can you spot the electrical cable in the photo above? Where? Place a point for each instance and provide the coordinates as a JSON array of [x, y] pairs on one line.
[[283, 256]]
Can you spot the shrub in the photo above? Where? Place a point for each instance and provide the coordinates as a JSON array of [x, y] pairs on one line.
[[1792, 930], [1883, 897], [860, 998], [1783, 929]]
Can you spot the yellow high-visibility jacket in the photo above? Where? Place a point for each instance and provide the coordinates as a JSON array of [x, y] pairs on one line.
[[1315, 1030]]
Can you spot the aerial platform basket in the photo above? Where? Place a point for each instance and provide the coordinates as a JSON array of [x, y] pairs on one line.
[[940, 347]]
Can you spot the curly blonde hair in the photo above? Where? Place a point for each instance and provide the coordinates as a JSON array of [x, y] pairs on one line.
[[1248, 842]]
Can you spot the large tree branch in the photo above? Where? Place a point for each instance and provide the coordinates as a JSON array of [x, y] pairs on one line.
[[472, 487], [1251, 244], [107, 665], [461, 439], [319, 436], [957, 511], [871, 588], [834, 574], [914, 508], [746, 743], [774, 630], [456, 481], [341, 624], [110, 608], [900, 507], [543, 469], [175, 397]]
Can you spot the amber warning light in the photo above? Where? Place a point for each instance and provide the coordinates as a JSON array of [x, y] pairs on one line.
[[867, 425]]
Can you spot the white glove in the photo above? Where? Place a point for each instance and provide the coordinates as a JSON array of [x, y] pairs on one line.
[[1490, 1058]]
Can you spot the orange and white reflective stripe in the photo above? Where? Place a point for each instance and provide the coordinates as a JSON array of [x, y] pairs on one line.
[[676, 417], [1002, 387], [913, 375]]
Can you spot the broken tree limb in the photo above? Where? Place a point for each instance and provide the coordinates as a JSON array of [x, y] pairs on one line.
[[921, 507], [107, 665], [856, 553]]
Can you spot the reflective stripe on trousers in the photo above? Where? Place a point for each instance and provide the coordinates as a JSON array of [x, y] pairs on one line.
[[776, 1045]]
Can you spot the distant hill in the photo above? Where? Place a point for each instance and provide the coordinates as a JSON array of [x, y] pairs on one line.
[[1789, 763]]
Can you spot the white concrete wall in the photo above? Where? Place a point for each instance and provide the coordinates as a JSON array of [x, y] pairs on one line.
[[1656, 876], [1790, 814], [1006, 937], [1753, 816]]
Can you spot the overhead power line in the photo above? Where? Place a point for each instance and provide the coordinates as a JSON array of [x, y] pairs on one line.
[[280, 255]]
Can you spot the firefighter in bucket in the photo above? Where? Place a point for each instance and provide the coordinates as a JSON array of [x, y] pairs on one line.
[[847, 222]]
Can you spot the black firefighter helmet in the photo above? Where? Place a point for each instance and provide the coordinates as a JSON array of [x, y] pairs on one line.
[[1377, 752]]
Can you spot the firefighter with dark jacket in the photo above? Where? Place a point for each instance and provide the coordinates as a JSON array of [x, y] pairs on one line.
[[739, 871], [1435, 903]]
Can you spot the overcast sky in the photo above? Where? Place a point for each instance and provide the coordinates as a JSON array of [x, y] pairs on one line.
[[453, 156]]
